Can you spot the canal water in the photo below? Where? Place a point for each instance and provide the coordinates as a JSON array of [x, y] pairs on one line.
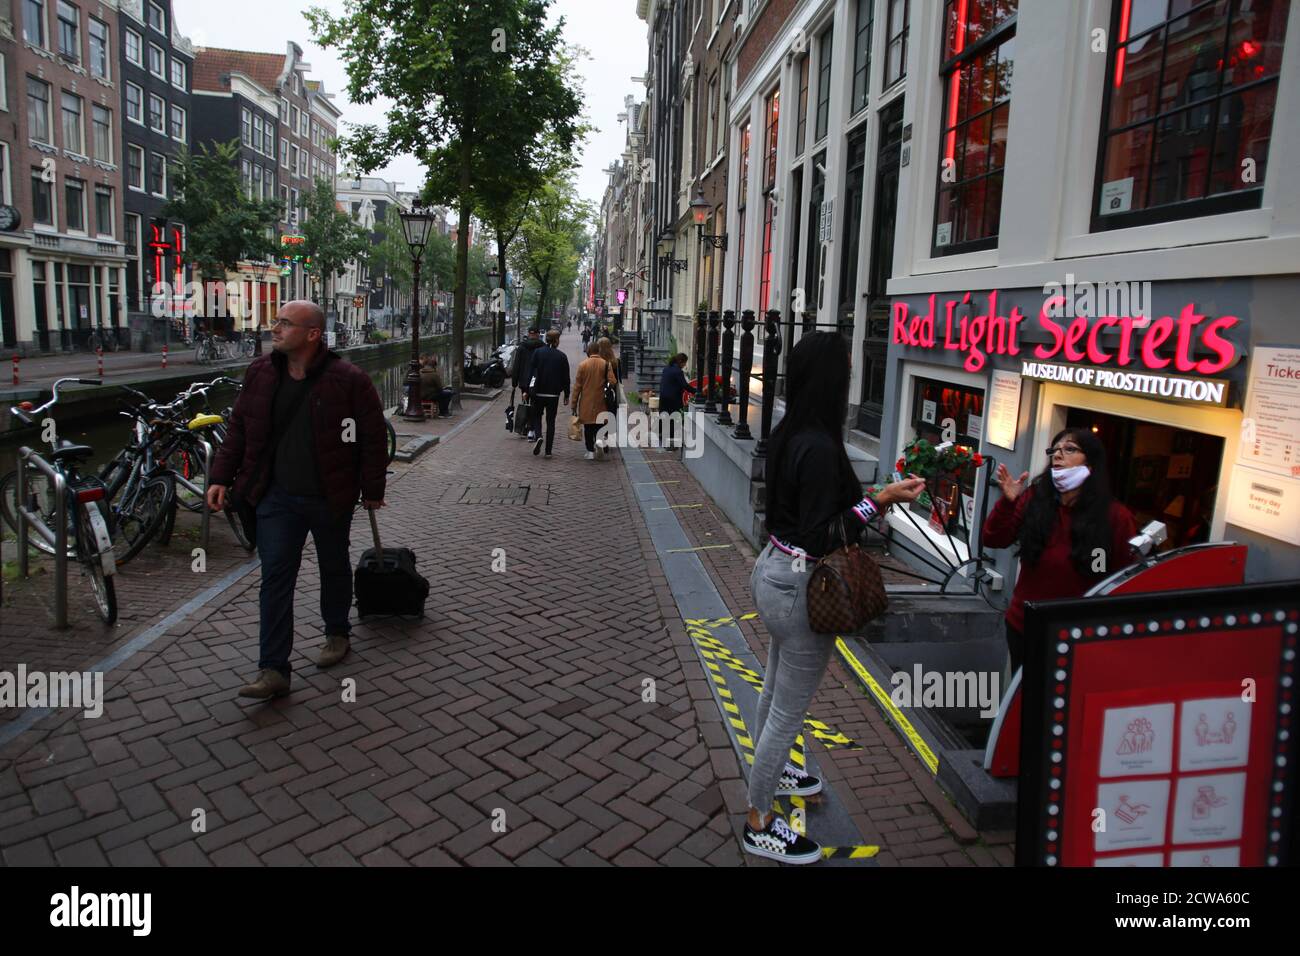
[[101, 427]]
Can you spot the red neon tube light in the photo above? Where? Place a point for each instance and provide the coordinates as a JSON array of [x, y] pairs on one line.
[[1124, 12], [954, 83]]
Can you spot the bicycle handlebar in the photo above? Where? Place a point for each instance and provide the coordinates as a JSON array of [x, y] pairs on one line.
[[30, 417]]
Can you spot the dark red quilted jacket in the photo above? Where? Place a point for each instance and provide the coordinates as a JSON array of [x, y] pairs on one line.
[[340, 390]]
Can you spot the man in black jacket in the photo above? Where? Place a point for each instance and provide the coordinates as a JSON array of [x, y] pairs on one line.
[[549, 379], [521, 369]]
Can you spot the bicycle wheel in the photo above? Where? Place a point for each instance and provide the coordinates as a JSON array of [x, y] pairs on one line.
[[40, 498], [249, 346], [392, 440], [89, 548], [140, 519]]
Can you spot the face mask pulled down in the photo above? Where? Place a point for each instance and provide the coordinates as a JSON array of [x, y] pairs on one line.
[[1068, 479]]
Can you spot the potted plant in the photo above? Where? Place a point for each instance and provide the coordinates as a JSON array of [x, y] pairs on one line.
[[947, 462]]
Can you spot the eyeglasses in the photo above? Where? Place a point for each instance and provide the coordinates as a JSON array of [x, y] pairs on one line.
[[1064, 450], [286, 324]]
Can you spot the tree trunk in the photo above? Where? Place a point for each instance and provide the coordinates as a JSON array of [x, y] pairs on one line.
[[462, 273], [499, 337]]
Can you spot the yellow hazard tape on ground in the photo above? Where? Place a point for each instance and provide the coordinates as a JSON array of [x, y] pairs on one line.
[[882, 698], [714, 649], [849, 852]]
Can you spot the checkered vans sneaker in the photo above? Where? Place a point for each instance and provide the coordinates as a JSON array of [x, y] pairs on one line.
[[795, 783], [779, 842]]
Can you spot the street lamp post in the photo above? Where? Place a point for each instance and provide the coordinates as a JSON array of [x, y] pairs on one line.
[[416, 225]]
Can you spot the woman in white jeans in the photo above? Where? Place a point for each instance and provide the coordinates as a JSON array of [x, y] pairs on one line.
[[814, 506]]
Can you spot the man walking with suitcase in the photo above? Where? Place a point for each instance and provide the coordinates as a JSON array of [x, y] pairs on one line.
[[306, 439]]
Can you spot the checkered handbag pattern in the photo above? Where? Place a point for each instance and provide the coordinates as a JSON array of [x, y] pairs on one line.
[[845, 592]]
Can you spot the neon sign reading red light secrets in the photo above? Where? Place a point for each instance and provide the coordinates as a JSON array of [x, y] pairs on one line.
[[977, 335]]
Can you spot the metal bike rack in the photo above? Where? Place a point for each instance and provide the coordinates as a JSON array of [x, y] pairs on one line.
[[57, 539], [206, 514]]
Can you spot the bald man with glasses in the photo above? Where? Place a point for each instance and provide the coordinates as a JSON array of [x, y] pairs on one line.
[[306, 441]]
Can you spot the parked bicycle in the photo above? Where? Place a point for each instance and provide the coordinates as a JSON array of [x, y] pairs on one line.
[[86, 525]]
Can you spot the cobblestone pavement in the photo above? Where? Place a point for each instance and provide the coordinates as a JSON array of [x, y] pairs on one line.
[[517, 699]]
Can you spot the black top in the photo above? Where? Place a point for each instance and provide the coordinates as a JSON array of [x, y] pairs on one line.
[[550, 373], [295, 458], [672, 385], [810, 492]]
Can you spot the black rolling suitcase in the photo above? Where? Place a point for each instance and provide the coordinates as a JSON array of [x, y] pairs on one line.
[[386, 581]]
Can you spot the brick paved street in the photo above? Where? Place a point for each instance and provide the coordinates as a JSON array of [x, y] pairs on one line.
[[519, 692]]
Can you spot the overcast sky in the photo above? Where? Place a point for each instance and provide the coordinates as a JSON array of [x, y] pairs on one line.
[[608, 29]]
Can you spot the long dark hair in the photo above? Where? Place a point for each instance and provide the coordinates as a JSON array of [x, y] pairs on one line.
[[816, 399], [1090, 526]]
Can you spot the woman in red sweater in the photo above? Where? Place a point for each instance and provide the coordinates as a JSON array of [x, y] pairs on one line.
[[1070, 531]]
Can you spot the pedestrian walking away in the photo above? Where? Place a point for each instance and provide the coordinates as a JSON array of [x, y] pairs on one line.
[[815, 505], [589, 396], [306, 439], [521, 369], [1062, 523], [549, 380], [607, 353]]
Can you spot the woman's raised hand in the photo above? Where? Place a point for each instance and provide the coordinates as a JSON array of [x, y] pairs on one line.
[[1011, 487]]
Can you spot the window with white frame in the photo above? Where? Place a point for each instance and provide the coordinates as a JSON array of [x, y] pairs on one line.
[[74, 197], [101, 119], [246, 127], [157, 60], [158, 174], [105, 220], [34, 22], [284, 152], [157, 113], [38, 111], [1187, 115], [256, 141], [157, 18], [133, 46], [135, 103], [43, 211], [862, 55], [977, 59], [823, 85], [6, 187], [896, 41], [74, 131], [178, 123], [132, 235], [97, 30], [4, 83], [69, 24], [135, 167], [284, 111], [178, 73]]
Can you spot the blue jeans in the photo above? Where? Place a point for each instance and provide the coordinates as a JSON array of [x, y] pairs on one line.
[[796, 662], [283, 522]]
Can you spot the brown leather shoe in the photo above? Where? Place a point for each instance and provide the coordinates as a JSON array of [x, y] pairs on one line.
[[335, 649], [269, 683]]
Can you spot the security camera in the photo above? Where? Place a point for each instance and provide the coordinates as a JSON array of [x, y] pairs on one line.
[[1148, 539], [820, 168]]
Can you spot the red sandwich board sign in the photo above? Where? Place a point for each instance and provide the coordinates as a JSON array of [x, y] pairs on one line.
[[1157, 729]]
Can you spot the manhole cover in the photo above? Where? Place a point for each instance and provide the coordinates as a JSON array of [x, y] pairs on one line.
[[495, 495]]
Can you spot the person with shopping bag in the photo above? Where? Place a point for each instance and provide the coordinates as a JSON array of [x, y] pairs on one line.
[[589, 396]]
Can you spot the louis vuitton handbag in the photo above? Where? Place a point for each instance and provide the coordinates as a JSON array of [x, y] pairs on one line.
[[845, 590]]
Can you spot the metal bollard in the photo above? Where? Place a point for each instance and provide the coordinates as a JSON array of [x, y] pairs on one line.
[[710, 402], [15, 371], [99, 361], [728, 351], [164, 356], [746, 367], [771, 352]]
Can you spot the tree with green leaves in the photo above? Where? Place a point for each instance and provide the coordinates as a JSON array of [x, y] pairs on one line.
[[553, 238], [479, 93], [223, 226], [331, 237]]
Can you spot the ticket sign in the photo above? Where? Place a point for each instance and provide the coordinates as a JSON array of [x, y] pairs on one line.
[[1156, 729]]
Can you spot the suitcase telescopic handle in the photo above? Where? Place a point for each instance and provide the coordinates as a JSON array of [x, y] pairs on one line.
[[374, 530]]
